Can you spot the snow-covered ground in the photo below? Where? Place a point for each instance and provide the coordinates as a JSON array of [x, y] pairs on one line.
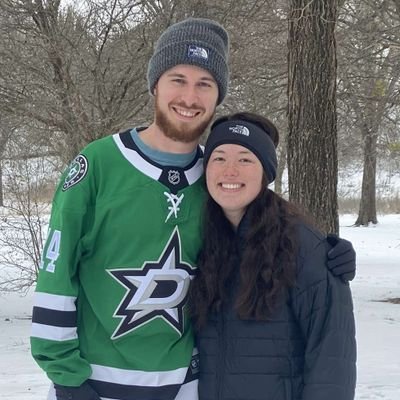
[[378, 323]]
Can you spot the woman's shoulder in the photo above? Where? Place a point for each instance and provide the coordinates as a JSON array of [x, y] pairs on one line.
[[309, 237], [312, 254]]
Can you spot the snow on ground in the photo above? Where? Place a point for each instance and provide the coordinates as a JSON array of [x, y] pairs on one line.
[[378, 323]]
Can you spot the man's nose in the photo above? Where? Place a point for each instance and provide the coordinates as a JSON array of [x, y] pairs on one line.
[[190, 96]]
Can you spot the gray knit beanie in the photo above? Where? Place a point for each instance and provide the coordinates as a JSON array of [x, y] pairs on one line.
[[195, 41]]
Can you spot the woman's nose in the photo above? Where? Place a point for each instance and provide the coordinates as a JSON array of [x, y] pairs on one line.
[[231, 170]]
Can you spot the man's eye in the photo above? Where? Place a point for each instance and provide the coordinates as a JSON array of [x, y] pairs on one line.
[[204, 84]]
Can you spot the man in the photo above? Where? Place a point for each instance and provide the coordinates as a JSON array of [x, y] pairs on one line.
[[110, 315]]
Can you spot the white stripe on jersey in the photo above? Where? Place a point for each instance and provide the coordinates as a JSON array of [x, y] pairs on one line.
[[138, 378], [137, 161], [54, 301], [53, 332], [188, 391], [194, 173]]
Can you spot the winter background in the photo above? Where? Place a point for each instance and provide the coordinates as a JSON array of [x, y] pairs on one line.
[[377, 319]]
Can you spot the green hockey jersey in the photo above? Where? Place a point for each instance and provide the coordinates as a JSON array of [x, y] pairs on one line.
[[111, 298]]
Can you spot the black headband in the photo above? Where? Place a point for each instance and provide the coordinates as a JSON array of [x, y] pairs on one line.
[[247, 135]]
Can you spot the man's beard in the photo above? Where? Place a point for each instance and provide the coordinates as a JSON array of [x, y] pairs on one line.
[[179, 132]]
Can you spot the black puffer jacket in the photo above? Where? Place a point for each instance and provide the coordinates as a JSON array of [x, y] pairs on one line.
[[306, 351]]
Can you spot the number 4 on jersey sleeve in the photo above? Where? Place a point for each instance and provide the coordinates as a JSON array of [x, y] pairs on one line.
[[51, 253]]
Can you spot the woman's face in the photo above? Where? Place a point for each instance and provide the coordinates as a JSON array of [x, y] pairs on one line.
[[234, 178]]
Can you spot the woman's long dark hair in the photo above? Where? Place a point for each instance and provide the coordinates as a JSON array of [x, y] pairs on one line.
[[268, 257]]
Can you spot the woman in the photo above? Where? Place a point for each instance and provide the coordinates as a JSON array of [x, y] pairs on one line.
[[272, 322]]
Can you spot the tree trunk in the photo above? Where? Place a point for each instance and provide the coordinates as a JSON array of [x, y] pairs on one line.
[[312, 133], [367, 211]]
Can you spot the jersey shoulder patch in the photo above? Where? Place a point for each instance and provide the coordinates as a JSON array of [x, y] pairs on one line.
[[77, 170]]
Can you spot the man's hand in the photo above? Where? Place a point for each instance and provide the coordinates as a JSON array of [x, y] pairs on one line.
[[341, 258], [83, 392]]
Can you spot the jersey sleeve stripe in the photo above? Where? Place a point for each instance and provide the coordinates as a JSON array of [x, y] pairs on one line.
[[66, 319], [54, 301], [55, 333]]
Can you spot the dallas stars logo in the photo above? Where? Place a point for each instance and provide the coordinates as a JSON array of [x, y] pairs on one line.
[[77, 171], [157, 290]]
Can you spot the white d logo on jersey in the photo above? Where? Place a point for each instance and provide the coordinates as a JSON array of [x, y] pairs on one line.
[[158, 289]]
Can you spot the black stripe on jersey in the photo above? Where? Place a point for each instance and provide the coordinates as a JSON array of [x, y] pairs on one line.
[[64, 319], [126, 139], [127, 392]]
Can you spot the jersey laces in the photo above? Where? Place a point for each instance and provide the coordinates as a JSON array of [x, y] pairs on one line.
[[175, 200]]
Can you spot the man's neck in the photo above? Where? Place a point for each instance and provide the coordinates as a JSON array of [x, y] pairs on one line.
[[155, 138]]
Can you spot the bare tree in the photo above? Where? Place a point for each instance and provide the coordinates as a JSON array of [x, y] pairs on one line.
[[23, 220], [78, 74], [4, 135], [312, 138], [369, 85]]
